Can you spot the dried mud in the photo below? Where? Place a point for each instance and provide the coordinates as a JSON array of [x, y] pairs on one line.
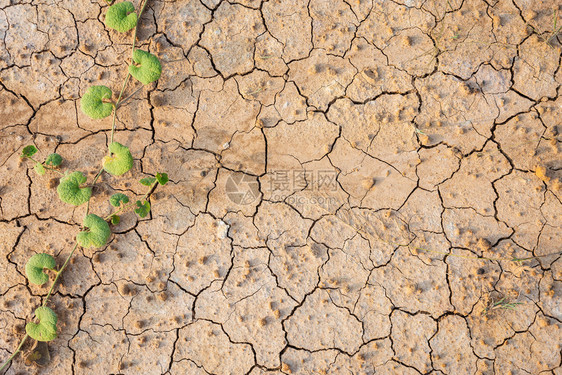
[[351, 181]]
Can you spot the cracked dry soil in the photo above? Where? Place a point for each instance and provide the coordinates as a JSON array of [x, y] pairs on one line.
[[350, 183]]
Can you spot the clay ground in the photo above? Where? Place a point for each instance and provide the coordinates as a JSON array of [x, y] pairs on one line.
[[351, 181]]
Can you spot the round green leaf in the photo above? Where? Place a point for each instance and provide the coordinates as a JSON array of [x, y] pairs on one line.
[[46, 330], [39, 168], [69, 189], [121, 16], [120, 160], [148, 69], [162, 178], [117, 198], [53, 160], [28, 151], [115, 219], [92, 103], [35, 266], [97, 234]]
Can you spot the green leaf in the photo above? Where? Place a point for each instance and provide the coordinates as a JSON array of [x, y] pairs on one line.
[[115, 219], [143, 208], [35, 266], [162, 178], [69, 189], [121, 16], [97, 234], [117, 198], [46, 330], [53, 160], [120, 161], [147, 181], [149, 68], [28, 151], [92, 103], [39, 169]]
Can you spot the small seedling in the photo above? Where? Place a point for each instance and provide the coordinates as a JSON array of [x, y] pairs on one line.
[[116, 199], [143, 208], [51, 162], [555, 28], [548, 36], [501, 304], [74, 188]]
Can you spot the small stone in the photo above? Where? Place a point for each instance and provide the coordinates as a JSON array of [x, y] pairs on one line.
[[124, 289], [483, 244], [162, 296]]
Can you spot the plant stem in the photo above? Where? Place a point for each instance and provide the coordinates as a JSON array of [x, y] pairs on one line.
[[137, 27], [129, 97], [59, 272], [116, 106], [46, 167], [15, 353], [93, 183]]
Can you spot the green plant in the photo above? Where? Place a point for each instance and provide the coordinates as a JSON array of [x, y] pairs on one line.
[[69, 189], [501, 304], [555, 29], [72, 189], [548, 36], [121, 16], [119, 161]]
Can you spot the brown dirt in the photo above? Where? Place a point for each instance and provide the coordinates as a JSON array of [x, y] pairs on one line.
[[350, 183]]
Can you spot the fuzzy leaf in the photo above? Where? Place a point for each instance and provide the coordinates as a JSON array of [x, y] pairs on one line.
[[35, 266], [92, 102], [117, 198], [120, 160], [147, 181], [39, 168], [28, 151], [69, 189], [46, 330], [143, 208], [53, 160], [149, 69], [162, 178], [115, 219], [121, 16], [98, 232]]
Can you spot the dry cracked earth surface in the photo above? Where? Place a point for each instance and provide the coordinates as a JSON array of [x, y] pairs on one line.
[[353, 185]]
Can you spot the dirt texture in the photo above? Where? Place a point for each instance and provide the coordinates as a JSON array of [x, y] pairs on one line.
[[352, 183]]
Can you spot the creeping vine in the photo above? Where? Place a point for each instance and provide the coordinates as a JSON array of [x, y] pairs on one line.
[[74, 189]]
